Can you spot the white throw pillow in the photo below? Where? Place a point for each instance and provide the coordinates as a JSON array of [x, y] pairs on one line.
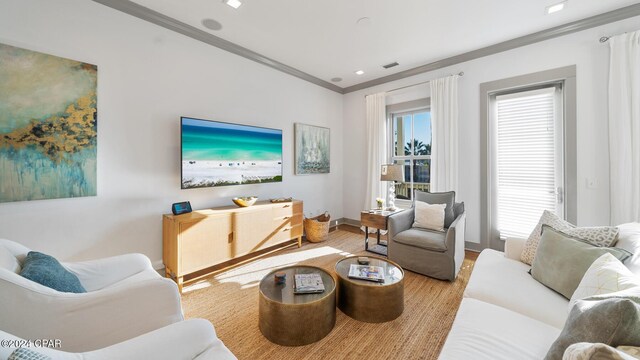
[[629, 239], [429, 216], [586, 351], [606, 275], [601, 236], [531, 245]]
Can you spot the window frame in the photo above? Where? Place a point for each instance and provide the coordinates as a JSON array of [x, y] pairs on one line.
[[402, 109], [567, 74]]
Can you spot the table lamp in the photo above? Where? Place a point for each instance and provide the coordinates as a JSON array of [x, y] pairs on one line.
[[392, 173]]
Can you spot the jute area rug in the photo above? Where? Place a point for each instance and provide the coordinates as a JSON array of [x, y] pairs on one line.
[[230, 301]]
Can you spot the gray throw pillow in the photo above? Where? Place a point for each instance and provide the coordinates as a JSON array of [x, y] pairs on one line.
[[561, 261], [447, 198], [612, 321]]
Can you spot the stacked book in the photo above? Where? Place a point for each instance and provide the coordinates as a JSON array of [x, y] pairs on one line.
[[367, 272], [308, 284]]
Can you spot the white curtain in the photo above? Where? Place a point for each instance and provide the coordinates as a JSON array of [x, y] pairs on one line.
[[444, 137], [624, 127], [376, 140]]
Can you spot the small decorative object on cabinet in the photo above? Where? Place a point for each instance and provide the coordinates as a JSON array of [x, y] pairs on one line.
[[245, 201], [204, 238]]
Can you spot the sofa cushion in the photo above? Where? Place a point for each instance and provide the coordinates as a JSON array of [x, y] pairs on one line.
[[505, 282], [47, 271], [531, 245], [447, 198], [629, 239], [429, 216], [605, 275], [561, 261], [609, 319], [8, 261], [484, 331], [423, 238]]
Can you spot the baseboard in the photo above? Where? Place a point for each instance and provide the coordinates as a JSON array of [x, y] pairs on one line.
[[471, 246], [158, 266], [347, 221]]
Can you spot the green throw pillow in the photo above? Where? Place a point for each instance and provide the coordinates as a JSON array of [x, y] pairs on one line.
[[46, 270], [562, 260], [613, 320]]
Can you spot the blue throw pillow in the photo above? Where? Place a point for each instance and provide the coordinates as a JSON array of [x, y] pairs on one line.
[[47, 271]]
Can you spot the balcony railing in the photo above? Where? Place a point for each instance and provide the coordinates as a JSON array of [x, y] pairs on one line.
[[403, 190]]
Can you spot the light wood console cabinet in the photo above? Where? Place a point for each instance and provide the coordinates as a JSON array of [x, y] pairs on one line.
[[201, 239]]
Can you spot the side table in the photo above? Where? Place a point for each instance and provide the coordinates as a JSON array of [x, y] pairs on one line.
[[288, 319], [375, 219]]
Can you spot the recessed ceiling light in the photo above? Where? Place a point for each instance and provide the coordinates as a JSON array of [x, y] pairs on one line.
[[336, 79], [233, 3], [359, 72], [555, 8], [211, 24]]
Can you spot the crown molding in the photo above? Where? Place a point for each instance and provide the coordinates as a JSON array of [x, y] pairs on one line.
[[566, 29], [152, 16], [170, 23]]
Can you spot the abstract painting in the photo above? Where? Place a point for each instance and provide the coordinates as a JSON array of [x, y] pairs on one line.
[[312, 149], [48, 126]]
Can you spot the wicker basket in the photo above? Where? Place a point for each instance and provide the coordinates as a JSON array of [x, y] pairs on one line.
[[317, 228]]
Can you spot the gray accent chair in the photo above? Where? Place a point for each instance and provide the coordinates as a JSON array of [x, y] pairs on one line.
[[437, 254]]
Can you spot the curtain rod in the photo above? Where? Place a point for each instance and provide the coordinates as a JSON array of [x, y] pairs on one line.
[[604, 39], [461, 73]]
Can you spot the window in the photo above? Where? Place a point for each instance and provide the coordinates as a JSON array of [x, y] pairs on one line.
[[529, 176], [516, 170], [411, 146]]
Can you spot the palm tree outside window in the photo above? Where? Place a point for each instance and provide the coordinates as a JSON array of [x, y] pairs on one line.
[[411, 142]]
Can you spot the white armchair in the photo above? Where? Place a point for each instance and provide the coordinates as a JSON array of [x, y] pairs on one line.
[[125, 298], [190, 339]]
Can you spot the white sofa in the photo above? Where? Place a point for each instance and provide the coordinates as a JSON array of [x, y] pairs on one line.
[[506, 314], [185, 340], [125, 298]]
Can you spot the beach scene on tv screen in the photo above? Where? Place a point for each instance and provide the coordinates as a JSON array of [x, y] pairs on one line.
[[219, 154]]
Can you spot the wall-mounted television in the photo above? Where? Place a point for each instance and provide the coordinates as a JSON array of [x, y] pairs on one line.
[[218, 154]]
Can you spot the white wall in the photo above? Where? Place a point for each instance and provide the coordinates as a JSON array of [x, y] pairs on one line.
[[147, 78], [581, 49]]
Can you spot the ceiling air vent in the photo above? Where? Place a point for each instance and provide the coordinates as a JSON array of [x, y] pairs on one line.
[[390, 65]]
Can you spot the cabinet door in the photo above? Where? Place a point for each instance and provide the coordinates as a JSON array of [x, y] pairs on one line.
[[205, 242], [253, 229]]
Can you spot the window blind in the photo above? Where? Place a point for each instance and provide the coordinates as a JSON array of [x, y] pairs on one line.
[[526, 179]]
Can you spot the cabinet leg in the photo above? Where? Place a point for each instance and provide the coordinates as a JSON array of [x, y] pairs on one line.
[[299, 241], [180, 281]]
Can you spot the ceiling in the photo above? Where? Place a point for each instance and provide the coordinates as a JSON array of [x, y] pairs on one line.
[[323, 37]]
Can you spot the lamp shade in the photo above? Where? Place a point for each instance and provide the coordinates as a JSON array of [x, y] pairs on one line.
[[392, 172]]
